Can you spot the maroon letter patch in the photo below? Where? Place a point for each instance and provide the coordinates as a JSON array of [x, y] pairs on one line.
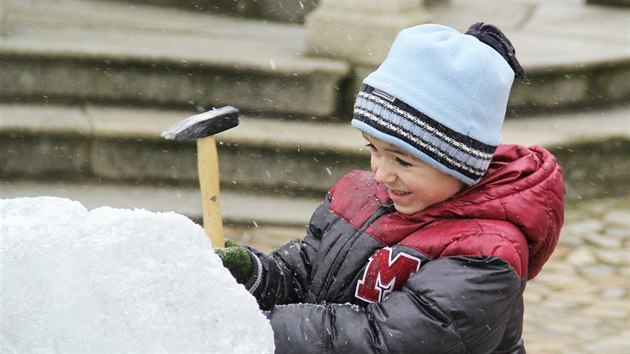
[[384, 275]]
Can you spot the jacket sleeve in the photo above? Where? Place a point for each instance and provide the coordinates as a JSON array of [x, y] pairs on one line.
[[451, 305], [284, 274]]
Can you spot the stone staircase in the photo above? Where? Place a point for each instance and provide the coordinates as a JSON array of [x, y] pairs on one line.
[[104, 52], [87, 86]]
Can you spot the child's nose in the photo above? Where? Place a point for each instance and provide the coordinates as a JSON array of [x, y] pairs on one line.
[[384, 173]]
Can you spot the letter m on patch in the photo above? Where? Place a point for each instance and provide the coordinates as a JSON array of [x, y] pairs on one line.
[[383, 274]]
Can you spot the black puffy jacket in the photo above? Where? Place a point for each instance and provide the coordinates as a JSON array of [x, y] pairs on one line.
[[448, 279]]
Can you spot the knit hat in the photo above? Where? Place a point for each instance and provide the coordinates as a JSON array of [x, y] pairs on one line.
[[441, 95]]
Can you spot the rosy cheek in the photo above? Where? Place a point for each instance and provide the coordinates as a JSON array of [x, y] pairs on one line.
[[374, 163]]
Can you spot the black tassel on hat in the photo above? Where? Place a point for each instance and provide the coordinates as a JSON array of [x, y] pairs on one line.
[[492, 36]]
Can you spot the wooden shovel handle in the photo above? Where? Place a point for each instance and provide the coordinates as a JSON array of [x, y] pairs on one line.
[[208, 168]]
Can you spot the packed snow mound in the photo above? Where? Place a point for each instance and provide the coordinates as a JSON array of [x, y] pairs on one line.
[[117, 281]]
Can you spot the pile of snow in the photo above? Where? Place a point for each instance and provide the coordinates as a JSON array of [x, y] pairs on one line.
[[113, 280]]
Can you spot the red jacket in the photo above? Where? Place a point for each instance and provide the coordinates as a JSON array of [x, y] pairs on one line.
[[447, 279]]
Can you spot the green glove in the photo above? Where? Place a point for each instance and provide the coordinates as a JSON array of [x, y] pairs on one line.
[[237, 260]]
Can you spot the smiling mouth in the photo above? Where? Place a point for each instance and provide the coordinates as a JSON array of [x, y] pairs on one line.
[[398, 193]]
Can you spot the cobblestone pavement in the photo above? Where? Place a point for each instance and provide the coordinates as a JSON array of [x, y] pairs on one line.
[[580, 301]]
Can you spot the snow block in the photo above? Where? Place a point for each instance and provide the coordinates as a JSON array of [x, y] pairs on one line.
[[114, 280]]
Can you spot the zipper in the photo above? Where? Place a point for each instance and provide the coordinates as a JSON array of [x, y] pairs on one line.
[[384, 209]]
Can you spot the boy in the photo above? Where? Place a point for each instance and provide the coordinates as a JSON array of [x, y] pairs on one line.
[[429, 252]]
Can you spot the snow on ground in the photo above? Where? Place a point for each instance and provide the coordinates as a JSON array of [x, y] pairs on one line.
[[114, 280]]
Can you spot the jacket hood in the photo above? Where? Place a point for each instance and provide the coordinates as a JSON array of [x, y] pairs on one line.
[[523, 186]]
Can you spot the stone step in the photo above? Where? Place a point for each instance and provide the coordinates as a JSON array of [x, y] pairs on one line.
[[268, 156], [114, 52], [275, 10], [263, 155]]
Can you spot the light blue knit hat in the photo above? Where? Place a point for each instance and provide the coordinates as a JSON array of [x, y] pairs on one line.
[[441, 95]]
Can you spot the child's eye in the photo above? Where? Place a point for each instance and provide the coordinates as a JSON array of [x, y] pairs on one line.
[[372, 147], [403, 163]]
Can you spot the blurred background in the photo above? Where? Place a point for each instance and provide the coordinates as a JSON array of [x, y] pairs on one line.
[[87, 86]]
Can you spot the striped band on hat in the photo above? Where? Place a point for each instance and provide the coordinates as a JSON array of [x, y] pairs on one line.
[[402, 125]]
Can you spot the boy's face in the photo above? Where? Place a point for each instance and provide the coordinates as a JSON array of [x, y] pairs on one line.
[[413, 185]]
